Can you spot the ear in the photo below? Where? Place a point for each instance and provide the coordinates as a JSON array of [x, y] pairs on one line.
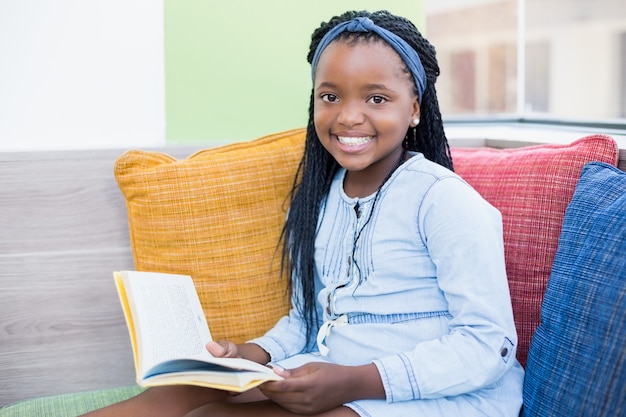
[[415, 114]]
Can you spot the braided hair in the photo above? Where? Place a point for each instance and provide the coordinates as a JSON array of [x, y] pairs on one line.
[[317, 167]]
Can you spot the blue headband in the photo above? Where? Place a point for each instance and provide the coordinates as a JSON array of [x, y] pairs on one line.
[[364, 24]]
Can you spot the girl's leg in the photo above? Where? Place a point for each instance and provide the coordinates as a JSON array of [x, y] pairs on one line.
[[259, 409], [169, 401]]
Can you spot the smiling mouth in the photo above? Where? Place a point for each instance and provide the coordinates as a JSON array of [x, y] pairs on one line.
[[353, 141]]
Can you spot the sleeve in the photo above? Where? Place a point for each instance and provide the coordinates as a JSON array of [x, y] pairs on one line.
[[288, 337], [463, 234], [285, 339]]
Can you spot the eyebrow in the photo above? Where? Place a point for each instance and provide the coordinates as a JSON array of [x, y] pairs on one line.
[[368, 87], [326, 84], [377, 87]]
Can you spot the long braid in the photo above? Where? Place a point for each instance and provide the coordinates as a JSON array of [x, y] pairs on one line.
[[429, 137], [312, 182], [317, 167]]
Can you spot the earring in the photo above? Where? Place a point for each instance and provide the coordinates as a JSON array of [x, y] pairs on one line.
[[416, 121]]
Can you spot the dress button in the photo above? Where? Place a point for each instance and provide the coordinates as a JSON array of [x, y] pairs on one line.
[[504, 352]]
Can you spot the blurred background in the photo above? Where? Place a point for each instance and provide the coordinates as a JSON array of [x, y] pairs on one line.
[[80, 74], [544, 58]]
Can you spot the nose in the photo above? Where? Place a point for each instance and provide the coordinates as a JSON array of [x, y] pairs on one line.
[[350, 114]]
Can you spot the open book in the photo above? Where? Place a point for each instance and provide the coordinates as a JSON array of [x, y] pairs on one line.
[[169, 333]]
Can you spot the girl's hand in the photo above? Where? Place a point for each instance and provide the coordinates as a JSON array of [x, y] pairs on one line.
[[223, 349], [317, 386], [228, 349]]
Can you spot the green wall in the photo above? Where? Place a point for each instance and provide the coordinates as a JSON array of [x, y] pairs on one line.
[[236, 70]]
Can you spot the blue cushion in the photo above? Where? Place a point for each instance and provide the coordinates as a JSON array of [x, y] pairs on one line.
[[577, 359]]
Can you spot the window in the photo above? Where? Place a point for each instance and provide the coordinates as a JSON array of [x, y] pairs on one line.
[[531, 59]]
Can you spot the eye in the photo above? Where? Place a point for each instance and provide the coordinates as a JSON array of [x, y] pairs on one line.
[[329, 98], [377, 100]]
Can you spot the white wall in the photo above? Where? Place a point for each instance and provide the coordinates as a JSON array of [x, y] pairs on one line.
[[81, 74]]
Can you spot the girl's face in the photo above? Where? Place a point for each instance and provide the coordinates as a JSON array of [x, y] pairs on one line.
[[363, 105]]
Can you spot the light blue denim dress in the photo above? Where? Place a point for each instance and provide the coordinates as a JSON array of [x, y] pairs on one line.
[[422, 293]]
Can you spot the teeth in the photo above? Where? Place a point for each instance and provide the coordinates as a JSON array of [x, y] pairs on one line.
[[352, 141]]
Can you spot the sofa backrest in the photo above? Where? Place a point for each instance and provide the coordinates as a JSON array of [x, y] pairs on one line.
[[64, 230]]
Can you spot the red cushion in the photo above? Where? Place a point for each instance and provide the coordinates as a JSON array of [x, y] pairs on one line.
[[531, 186]]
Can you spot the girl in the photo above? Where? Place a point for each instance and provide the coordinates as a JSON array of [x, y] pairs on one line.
[[400, 299]]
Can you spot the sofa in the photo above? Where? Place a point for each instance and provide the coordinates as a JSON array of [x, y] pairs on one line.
[[70, 218]]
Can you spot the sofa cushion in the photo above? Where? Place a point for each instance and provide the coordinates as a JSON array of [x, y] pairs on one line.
[[531, 186], [69, 405], [217, 216], [576, 364]]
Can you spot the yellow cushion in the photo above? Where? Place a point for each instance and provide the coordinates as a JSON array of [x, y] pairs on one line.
[[217, 216]]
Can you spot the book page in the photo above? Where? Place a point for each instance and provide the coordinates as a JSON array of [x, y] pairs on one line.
[[234, 381], [168, 318], [169, 333]]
